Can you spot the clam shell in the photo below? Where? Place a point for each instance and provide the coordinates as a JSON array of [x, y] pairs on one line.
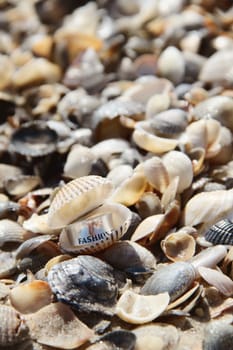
[[34, 139], [149, 141], [11, 231], [216, 278], [21, 185], [79, 162], [38, 294], [179, 246], [156, 173], [170, 122], [171, 64], [96, 231], [86, 283], [57, 326], [76, 198], [13, 329], [220, 233], [175, 279], [138, 309]]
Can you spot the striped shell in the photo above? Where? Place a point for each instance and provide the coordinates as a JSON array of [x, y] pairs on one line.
[[12, 328], [77, 198], [96, 231], [220, 233]]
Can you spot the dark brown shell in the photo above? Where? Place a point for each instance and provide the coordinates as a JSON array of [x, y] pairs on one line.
[[86, 283], [34, 139], [220, 233]]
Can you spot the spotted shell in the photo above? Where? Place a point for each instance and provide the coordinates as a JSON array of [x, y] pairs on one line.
[[77, 198], [96, 231], [220, 233]]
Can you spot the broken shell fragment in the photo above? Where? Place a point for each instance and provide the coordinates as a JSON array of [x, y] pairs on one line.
[[175, 279], [13, 328], [38, 294], [56, 325], [86, 283], [76, 198], [138, 309], [97, 230]]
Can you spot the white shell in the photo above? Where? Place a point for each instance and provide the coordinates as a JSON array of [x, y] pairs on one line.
[[76, 198], [138, 309]]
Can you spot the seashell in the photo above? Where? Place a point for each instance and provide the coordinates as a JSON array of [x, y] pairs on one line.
[[180, 245], [216, 278], [206, 208], [138, 309], [149, 141], [56, 260], [217, 107], [35, 72], [171, 64], [107, 148], [30, 244], [21, 185], [86, 283], [4, 290], [225, 143], [121, 339], [57, 326], [209, 257], [129, 192], [220, 233], [175, 279], [197, 156], [7, 69], [124, 255], [149, 204], [169, 123], [178, 164], [183, 302], [13, 329], [156, 173], [97, 230], [159, 335], [78, 162], [11, 231], [119, 174], [76, 198], [39, 224], [8, 171], [156, 104], [217, 67], [33, 139], [217, 335], [38, 294], [7, 264]]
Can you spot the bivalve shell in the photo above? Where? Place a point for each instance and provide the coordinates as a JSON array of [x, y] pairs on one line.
[[76, 198], [96, 231], [220, 233]]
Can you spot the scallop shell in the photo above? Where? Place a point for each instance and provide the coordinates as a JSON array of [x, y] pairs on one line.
[[57, 326], [138, 309], [220, 233], [13, 329], [86, 283], [76, 198], [38, 294], [175, 279], [34, 139], [96, 231]]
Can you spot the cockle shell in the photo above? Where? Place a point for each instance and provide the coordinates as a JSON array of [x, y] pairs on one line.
[[97, 230], [11, 231], [13, 329], [138, 309], [38, 294], [174, 278], [76, 198], [86, 283], [56, 325]]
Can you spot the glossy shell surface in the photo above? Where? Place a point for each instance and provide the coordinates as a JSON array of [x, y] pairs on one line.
[[220, 233]]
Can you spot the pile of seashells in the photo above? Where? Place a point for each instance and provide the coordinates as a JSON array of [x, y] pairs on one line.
[[116, 174]]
